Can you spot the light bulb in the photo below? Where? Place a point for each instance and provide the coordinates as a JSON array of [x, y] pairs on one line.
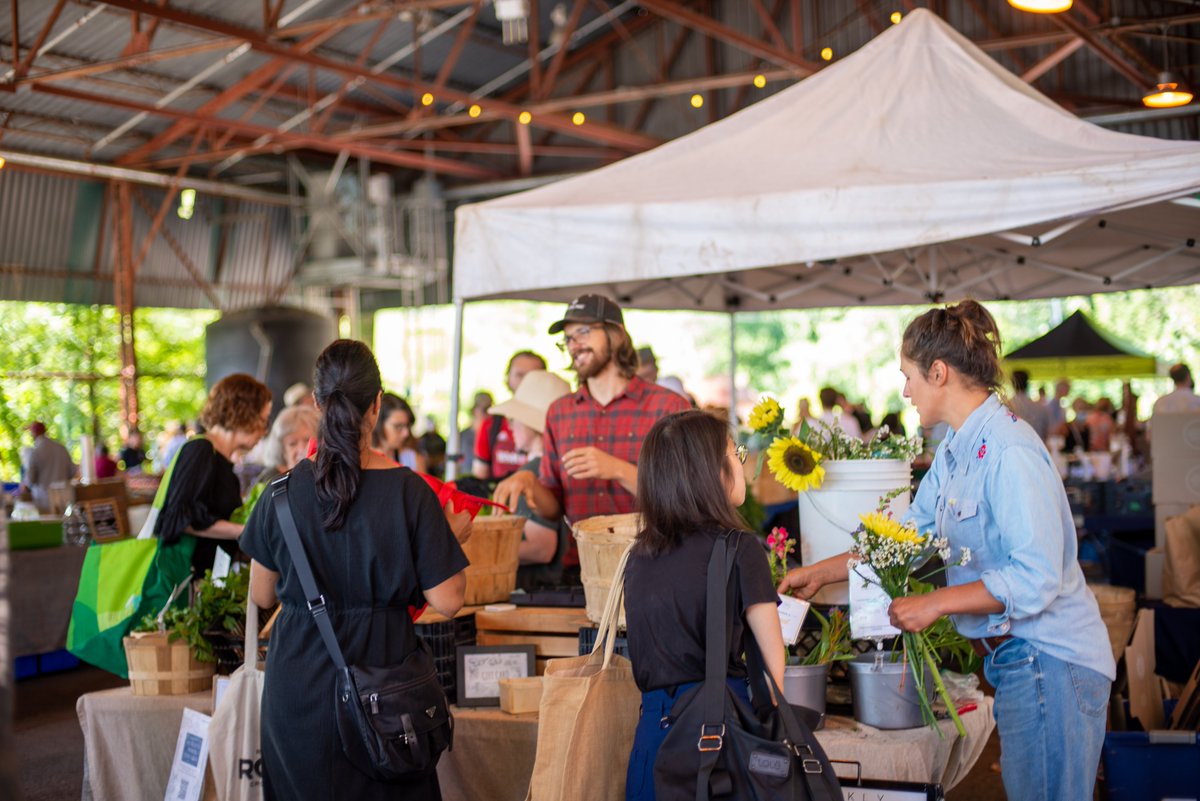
[[474, 110], [524, 118], [578, 118], [760, 81], [827, 53], [697, 101], [896, 17], [427, 99]]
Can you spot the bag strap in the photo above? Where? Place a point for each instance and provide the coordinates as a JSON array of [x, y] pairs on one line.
[[316, 601], [606, 634], [717, 630], [815, 768]]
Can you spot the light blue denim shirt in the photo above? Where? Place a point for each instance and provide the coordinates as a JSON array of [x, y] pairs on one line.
[[993, 488]]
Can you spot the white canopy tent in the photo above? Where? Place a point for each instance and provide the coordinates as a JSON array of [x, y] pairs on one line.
[[915, 170]]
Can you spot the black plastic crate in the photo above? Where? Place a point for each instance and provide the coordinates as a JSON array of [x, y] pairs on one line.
[[1129, 497], [587, 641], [443, 640]]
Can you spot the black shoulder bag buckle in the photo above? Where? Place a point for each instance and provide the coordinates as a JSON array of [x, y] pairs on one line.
[[720, 747], [394, 722]]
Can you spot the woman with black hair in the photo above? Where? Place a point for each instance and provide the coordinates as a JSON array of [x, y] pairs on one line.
[[690, 483], [394, 433], [378, 543]]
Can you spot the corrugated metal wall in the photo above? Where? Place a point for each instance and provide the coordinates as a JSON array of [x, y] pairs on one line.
[[56, 244]]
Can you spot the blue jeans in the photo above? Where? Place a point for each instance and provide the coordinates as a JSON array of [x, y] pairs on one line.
[[1051, 718], [650, 733]]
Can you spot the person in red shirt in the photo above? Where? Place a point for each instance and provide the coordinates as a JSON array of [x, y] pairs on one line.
[[496, 454], [106, 466], [594, 435]]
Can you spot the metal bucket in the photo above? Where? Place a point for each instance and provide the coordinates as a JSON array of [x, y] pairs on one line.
[[804, 685], [885, 696]]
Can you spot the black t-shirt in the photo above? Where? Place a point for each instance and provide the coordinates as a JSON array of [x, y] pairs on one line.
[[201, 490], [665, 601]]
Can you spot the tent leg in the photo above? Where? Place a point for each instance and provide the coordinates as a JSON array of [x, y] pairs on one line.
[[733, 418], [453, 441]]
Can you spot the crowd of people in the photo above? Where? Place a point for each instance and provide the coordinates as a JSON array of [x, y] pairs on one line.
[[622, 440]]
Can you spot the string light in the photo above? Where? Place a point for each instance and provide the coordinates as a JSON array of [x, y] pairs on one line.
[[578, 118], [2, 162], [760, 81], [187, 204], [896, 17], [427, 99], [697, 101], [827, 53], [524, 118], [474, 110]]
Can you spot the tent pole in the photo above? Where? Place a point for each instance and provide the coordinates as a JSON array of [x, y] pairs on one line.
[[453, 441], [733, 418]]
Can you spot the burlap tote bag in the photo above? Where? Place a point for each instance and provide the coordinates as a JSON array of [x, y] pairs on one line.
[[235, 742], [586, 718]]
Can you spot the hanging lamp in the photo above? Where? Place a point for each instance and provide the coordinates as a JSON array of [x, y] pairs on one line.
[[1170, 91], [1041, 6]]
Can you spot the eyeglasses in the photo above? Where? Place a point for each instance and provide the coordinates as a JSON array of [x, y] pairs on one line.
[[580, 334], [741, 452]]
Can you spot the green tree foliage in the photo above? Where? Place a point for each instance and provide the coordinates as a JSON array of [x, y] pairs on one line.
[[61, 364]]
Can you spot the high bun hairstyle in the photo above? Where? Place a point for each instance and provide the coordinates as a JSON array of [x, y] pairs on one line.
[[346, 384], [964, 336]]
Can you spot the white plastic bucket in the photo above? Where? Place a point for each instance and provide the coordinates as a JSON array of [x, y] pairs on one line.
[[828, 515]]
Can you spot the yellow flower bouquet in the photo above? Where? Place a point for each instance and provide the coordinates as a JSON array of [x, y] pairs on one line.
[[795, 459]]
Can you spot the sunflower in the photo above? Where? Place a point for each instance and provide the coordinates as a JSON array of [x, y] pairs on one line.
[[796, 465], [890, 528], [765, 413]]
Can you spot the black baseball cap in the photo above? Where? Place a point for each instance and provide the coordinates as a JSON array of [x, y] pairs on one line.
[[590, 309]]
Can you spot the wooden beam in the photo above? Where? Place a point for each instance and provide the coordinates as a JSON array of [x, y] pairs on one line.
[[37, 43], [524, 149], [768, 22], [534, 47], [16, 36], [607, 134], [1104, 50], [126, 62], [664, 72], [181, 254], [556, 63], [710, 27], [412, 161], [1051, 61]]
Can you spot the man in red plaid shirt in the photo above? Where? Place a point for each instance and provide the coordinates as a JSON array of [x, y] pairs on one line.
[[594, 435]]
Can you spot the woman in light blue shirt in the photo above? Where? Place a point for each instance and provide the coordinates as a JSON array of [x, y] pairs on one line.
[[1022, 599]]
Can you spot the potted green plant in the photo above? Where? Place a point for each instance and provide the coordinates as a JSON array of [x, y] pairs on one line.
[[213, 625], [806, 676]]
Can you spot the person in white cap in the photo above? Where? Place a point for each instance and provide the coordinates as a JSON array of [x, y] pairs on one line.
[[525, 413]]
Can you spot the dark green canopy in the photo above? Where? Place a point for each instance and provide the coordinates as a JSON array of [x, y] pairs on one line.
[[1076, 348]]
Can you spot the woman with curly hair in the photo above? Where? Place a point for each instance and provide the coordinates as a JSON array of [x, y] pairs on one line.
[[199, 491]]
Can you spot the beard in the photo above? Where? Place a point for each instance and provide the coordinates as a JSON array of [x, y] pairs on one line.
[[593, 364]]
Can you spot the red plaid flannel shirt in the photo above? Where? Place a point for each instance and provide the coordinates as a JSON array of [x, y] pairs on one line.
[[577, 420]]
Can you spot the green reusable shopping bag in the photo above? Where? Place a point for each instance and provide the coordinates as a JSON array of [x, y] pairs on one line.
[[120, 583]]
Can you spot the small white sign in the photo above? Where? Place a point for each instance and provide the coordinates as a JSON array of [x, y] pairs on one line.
[[191, 758], [220, 568], [869, 606], [484, 671], [792, 612]]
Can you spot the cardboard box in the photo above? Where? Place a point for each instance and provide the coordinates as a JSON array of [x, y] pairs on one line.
[[520, 695], [1175, 452]]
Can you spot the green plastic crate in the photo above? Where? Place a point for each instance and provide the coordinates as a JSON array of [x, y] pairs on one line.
[[25, 535]]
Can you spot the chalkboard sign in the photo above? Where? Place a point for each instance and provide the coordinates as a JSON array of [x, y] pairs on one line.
[[106, 519], [480, 668]]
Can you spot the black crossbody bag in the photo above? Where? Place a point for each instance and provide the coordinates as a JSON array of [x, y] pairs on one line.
[[720, 747], [394, 722]]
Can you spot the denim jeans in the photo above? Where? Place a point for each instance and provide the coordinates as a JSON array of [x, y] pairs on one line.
[[650, 733], [1051, 719]]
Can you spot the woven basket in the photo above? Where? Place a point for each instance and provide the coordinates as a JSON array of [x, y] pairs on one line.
[[160, 667], [1118, 608], [601, 541], [492, 550]]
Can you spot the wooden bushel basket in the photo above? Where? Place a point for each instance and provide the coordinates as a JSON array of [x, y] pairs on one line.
[[1118, 608], [601, 542], [492, 550], [160, 667]]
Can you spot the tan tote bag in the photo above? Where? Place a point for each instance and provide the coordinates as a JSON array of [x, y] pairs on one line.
[[587, 716], [1181, 565], [235, 740]]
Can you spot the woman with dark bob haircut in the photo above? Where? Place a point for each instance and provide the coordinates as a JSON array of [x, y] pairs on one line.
[[1021, 599], [199, 490], [689, 486], [378, 543]]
